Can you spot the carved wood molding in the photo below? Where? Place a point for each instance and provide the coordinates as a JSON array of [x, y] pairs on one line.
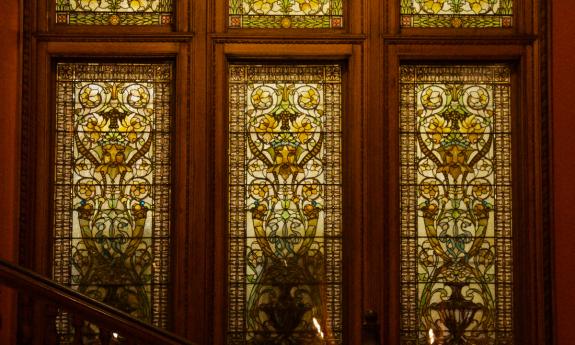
[[458, 40], [288, 39], [114, 37], [545, 58]]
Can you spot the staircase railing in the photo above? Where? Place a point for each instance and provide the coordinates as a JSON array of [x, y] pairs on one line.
[[114, 326]]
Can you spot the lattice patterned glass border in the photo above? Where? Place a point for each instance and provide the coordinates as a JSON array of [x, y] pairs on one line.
[[114, 12], [456, 13], [112, 185], [285, 14], [456, 197], [285, 204]]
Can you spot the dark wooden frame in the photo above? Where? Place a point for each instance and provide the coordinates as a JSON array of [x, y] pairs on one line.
[[529, 312], [184, 244], [349, 56]]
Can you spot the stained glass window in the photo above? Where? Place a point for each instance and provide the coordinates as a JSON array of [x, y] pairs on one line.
[[285, 204], [114, 12], [285, 14], [112, 185], [456, 240], [457, 13]]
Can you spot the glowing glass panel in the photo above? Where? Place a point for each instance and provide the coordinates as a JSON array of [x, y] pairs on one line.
[[112, 185], [285, 207], [114, 12], [285, 14], [456, 240], [457, 13]]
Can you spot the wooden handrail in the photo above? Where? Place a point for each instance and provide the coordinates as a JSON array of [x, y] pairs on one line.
[[37, 286]]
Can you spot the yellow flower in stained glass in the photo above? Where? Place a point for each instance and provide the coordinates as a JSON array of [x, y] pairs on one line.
[[456, 22], [113, 160], [302, 128], [143, 168], [484, 257], [437, 128], [472, 127], [138, 5], [93, 128], [132, 125], [259, 191], [285, 22], [433, 6], [261, 99], [90, 4], [138, 96], [285, 161], [454, 161], [309, 99], [311, 191], [309, 6], [431, 98], [139, 190], [85, 190], [114, 19], [263, 6], [90, 96], [429, 190], [267, 126], [478, 6], [481, 191], [478, 99]]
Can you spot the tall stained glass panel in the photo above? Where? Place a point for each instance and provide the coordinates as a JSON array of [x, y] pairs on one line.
[[285, 14], [114, 12], [112, 185], [456, 240], [457, 13], [285, 206]]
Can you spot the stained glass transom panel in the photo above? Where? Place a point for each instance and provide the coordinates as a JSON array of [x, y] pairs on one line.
[[285, 204], [457, 13], [114, 12], [285, 14], [112, 185], [456, 240]]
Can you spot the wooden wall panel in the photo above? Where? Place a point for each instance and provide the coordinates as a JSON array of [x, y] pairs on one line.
[[9, 155], [563, 159]]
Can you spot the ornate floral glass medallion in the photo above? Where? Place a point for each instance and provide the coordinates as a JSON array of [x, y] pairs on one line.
[[112, 185], [456, 241], [285, 207], [285, 14], [457, 13], [114, 12]]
